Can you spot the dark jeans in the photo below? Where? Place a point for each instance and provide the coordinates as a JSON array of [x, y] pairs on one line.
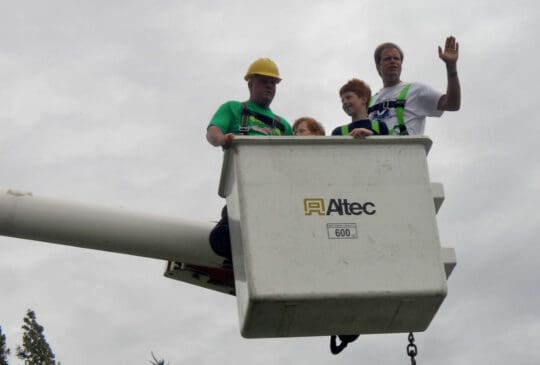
[[220, 237]]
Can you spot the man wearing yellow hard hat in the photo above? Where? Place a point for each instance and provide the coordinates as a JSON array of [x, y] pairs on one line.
[[253, 118]]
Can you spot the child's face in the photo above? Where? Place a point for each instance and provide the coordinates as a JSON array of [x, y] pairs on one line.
[[352, 104], [302, 130]]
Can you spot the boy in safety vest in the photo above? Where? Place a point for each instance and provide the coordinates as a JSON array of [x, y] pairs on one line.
[[355, 96]]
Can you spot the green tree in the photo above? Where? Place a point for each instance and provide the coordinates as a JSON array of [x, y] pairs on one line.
[[156, 361], [4, 351], [34, 349]]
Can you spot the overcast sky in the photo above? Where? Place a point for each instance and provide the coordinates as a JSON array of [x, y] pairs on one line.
[[107, 102]]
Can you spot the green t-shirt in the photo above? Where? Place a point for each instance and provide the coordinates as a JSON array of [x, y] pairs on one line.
[[228, 119]]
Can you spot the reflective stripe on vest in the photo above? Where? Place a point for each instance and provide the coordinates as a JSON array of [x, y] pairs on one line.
[[399, 110], [375, 126]]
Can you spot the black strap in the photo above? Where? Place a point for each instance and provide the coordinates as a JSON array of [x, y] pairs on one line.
[[271, 122], [389, 104], [402, 130], [244, 127]]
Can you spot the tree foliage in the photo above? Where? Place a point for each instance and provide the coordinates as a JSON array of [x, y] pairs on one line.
[[4, 351], [34, 349], [156, 361]]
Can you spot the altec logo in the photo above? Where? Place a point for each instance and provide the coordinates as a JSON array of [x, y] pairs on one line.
[[338, 207]]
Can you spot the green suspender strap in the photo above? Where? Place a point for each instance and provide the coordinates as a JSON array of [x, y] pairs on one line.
[[371, 100], [398, 104], [375, 126], [399, 110]]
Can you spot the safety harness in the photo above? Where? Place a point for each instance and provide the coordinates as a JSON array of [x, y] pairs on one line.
[[398, 104], [270, 122], [375, 126]]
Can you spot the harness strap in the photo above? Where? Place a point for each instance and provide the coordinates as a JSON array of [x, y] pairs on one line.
[[387, 105], [244, 128], [375, 126], [271, 122], [398, 104], [399, 110], [371, 100]]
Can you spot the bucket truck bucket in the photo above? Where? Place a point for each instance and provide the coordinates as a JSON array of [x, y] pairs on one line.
[[334, 235]]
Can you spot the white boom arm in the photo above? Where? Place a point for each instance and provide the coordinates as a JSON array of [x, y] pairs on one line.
[[23, 215]]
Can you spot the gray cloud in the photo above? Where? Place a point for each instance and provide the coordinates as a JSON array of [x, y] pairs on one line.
[[107, 103]]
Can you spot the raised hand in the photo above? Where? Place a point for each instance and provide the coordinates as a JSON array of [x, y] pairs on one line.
[[451, 51]]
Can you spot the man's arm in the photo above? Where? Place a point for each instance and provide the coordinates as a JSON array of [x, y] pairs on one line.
[[450, 101], [217, 138]]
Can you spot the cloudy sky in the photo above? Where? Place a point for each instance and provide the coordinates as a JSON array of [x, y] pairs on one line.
[[107, 102]]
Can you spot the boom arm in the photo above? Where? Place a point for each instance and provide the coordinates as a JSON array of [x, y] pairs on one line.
[[23, 215]]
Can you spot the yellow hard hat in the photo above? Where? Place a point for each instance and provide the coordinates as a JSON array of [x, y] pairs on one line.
[[263, 66]]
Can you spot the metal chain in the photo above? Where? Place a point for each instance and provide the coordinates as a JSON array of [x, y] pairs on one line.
[[412, 350]]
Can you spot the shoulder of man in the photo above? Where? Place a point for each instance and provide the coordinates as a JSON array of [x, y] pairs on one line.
[[415, 90], [231, 105], [234, 104], [287, 125], [423, 98], [420, 89], [225, 115]]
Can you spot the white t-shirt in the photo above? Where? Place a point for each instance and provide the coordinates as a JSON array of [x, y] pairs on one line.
[[420, 102]]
